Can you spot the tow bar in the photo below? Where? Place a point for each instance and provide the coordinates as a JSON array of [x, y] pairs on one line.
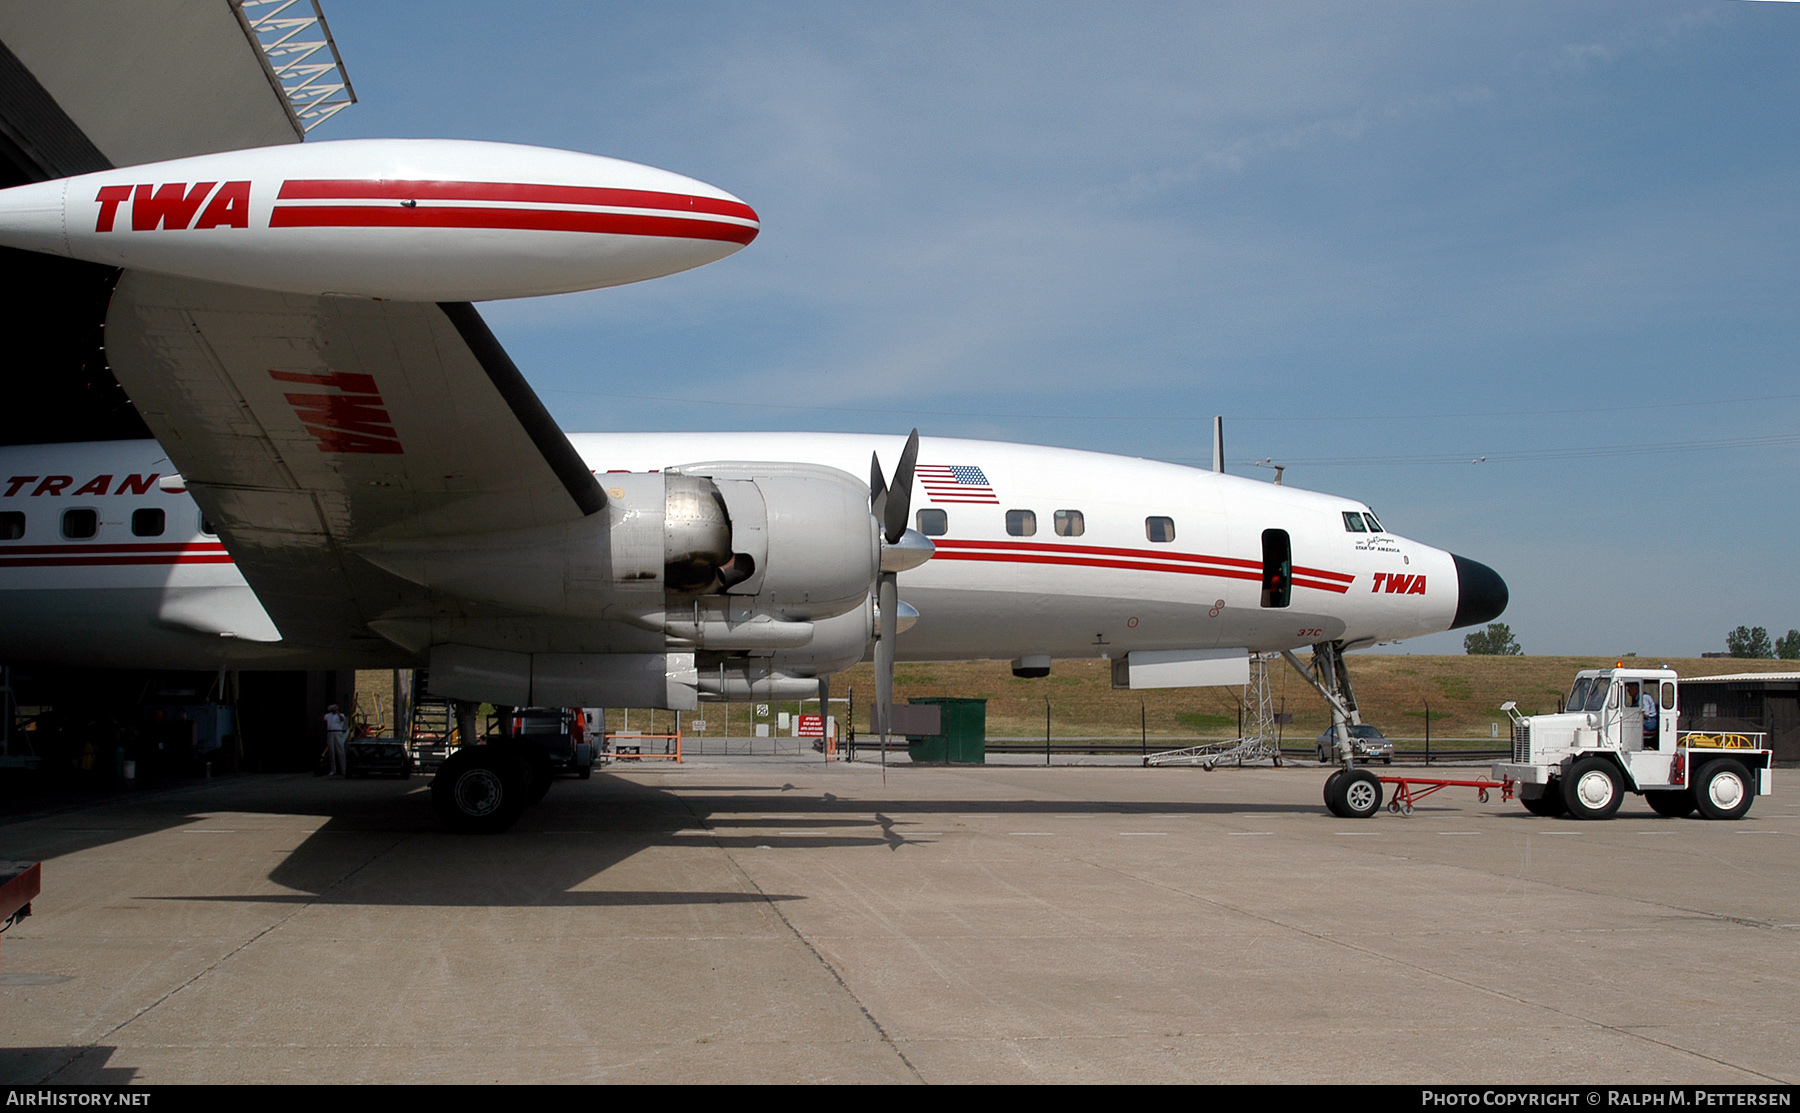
[[1405, 795]]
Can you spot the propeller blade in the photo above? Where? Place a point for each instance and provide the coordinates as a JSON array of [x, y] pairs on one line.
[[888, 598], [878, 491], [899, 503]]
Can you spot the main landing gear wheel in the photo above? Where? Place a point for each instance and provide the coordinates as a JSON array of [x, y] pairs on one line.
[[1723, 790], [1356, 794], [1548, 803], [1593, 789], [479, 790], [1671, 803]]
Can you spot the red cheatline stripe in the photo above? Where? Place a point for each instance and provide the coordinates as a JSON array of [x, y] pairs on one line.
[[350, 189], [1186, 563], [1057, 548], [1130, 565], [1323, 574], [97, 561], [158, 547], [536, 220], [1338, 589], [1095, 562]]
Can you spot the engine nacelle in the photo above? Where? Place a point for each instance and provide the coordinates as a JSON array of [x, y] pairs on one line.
[[770, 560], [775, 543], [804, 545], [837, 643]]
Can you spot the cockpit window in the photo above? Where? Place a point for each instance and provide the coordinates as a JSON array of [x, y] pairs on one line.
[[1374, 526], [1353, 522]]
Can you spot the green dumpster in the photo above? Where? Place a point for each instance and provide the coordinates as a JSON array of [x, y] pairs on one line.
[[963, 737]]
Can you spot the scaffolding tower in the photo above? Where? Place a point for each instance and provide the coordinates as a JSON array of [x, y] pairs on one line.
[[1259, 740]]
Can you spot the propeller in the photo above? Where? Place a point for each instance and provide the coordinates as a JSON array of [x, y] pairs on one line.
[[901, 548]]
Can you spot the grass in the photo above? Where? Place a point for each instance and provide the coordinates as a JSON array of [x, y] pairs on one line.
[[1463, 693], [1201, 723]]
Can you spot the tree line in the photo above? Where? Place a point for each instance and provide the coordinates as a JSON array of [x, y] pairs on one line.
[[1745, 641], [1753, 641]]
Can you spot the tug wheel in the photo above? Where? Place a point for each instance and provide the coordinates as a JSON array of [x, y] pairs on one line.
[[479, 790], [1724, 790], [1593, 789]]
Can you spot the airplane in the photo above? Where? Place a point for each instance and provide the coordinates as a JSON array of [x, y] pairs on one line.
[[350, 471]]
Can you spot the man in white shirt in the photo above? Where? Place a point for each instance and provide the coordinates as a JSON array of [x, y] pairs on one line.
[[1643, 697], [337, 729], [1647, 704]]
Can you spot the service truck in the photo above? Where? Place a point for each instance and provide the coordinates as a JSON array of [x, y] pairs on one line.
[[1617, 733]]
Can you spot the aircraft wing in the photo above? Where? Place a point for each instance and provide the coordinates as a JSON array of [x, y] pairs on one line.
[[305, 425]]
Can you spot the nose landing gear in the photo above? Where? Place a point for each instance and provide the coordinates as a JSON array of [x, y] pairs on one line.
[[1353, 793]]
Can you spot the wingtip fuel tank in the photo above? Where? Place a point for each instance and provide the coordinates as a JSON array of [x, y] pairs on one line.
[[408, 220]]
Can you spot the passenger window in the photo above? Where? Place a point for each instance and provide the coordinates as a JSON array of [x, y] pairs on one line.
[[12, 525], [1021, 523], [206, 527], [147, 523], [1160, 530], [78, 525], [1353, 522], [1069, 523], [933, 523]]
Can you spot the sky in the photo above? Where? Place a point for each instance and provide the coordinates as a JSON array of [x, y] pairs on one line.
[[1521, 276]]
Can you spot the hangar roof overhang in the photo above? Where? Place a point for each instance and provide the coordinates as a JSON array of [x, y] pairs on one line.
[[1745, 679], [87, 84]]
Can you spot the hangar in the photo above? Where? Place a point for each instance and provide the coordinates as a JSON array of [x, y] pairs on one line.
[[1768, 702], [86, 85]]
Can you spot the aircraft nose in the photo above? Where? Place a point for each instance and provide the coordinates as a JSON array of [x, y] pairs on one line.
[[1480, 593]]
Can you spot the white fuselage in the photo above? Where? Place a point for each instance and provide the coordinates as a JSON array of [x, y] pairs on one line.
[[120, 598]]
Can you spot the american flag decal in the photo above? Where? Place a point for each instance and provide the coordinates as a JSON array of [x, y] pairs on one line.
[[956, 483]]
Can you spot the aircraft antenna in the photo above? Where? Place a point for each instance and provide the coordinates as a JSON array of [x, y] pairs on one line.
[[1219, 442]]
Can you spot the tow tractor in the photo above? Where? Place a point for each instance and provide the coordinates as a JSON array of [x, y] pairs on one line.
[[1617, 733]]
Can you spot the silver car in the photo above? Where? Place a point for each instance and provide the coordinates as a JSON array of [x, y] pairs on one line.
[[1365, 742]]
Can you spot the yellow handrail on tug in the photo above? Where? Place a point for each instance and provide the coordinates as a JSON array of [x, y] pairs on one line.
[[1718, 741]]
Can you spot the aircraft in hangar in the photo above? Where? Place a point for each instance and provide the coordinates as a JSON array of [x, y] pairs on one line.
[[349, 471]]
